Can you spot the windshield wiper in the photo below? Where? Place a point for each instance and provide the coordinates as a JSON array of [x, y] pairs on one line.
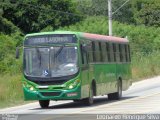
[[39, 56], [59, 51]]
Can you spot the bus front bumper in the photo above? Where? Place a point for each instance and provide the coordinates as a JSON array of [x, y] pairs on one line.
[[52, 95]]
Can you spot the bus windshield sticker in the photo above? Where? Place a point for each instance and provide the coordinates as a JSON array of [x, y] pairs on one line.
[[45, 73]]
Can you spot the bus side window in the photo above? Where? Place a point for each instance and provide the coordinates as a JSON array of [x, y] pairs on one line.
[[97, 52], [108, 52], [126, 53], [100, 52], [114, 52], [123, 53], [90, 53], [120, 53], [129, 54], [93, 51], [104, 52], [111, 52], [84, 54]]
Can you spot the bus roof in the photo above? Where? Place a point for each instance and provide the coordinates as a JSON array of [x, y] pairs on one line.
[[104, 38], [84, 35]]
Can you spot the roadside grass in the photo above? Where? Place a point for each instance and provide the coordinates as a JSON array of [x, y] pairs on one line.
[[145, 65], [10, 90]]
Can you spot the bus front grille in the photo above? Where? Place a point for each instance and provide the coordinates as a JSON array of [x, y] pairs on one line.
[[60, 82], [50, 93]]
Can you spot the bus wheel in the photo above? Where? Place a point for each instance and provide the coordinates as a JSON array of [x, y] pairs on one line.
[[44, 103], [89, 100], [116, 95]]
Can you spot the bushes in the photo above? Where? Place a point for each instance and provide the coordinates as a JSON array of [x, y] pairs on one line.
[[8, 63], [145, 65], [10, 90], [10, 71], [146, 12], [7, 27], [34, 15]]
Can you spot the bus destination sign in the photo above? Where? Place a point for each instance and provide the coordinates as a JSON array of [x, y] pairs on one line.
[[49, 39]]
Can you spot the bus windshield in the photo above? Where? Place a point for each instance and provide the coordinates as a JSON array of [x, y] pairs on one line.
[[56, 61]]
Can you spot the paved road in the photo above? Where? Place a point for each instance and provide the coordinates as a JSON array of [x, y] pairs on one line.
[[141, 97]]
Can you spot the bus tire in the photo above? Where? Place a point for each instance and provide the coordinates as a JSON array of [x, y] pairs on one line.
[[117, 95], [44, 103], [89, 101]]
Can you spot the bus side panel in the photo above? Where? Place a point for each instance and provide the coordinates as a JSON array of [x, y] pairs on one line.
[[105, 77], [128, 77], [84, 82], [124, 71]]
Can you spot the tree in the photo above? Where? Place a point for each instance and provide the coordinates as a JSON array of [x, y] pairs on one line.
[[34, 15], [124, 14], [147, 12], [100, 7]]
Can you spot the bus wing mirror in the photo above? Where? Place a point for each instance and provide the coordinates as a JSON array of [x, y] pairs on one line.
[[17, 53]]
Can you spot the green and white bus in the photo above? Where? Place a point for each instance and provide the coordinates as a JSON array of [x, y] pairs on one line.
[[64, 65]]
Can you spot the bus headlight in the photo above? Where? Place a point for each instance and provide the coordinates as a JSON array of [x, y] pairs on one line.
[[71, 86], [28, 86], [74, 84], [31, 88]]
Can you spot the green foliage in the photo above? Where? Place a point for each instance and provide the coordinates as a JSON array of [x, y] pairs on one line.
[[145, 65], [147, 12], [8, 63], [7, 27], [10, 90], [10, 70], [34, 15], [92, 7], [125, 14], [89, 25], [100, 7], [139, 12]]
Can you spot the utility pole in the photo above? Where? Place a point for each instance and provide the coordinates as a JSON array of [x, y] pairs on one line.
[[110, 16]]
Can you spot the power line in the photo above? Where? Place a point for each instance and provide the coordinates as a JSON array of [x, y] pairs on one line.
[[120, 7]]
